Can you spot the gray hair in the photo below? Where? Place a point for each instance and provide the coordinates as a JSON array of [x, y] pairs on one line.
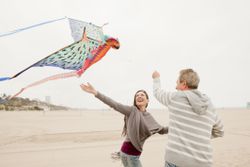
[[190, 77]]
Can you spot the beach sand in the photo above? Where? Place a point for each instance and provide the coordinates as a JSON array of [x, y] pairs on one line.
[[87, 138]]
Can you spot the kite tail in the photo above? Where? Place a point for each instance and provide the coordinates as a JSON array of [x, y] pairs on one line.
[[5, 78], [29, 27], [54, 77]]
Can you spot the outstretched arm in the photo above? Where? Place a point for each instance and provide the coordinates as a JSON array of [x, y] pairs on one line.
[[124, 109]]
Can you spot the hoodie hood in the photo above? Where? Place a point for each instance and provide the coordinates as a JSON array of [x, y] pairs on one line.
[[199, 102]]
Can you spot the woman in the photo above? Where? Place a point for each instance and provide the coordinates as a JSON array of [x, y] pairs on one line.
[[138, 126]]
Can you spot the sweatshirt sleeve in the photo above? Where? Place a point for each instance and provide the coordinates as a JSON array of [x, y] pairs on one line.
[[123, 109], [154, 126], [164, 130], [161, 95], [218, 128]]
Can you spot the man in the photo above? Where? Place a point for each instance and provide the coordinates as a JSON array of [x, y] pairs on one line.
[[192, 122]]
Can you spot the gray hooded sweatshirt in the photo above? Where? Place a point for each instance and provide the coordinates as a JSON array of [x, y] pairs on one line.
[[193, 121], [140, 125]]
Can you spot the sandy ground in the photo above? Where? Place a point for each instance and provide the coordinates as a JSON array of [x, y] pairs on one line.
[[87, 138]]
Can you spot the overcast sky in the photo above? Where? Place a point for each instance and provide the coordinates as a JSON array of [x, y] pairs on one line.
[[212, 37]]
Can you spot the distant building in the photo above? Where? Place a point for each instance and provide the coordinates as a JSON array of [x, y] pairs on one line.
[[248, 105], [48, 99]]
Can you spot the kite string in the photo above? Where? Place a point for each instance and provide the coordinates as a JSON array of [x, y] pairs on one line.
[[29, 27]]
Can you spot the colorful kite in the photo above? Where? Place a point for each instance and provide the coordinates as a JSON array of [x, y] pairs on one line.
[[90, 46]]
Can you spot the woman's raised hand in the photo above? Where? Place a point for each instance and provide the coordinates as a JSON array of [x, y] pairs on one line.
[[88, 88]]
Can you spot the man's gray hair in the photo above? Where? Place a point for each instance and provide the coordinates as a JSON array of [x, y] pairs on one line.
[[190, 77]]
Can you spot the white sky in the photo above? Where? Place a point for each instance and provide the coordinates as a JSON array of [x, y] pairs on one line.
[[212, 37]]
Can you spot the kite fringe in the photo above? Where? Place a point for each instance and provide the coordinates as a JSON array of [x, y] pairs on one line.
[[53, 77]]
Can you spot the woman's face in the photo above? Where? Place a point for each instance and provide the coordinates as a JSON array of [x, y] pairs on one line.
[[141, 99]]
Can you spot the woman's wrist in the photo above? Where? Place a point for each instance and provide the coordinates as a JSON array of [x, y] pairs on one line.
[[95, 92]]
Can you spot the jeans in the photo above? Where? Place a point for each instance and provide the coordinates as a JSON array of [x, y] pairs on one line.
[[167, 164], [130, 160]]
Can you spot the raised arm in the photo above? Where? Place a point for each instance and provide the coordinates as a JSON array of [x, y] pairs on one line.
[[124, 109], [161, 95]]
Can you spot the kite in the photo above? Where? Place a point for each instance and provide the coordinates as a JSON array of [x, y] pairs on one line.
[[89, 47]]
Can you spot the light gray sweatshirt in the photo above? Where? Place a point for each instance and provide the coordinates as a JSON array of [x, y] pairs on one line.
[[140, 125], [193, 121]]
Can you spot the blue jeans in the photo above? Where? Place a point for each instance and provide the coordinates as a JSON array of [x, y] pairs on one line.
[[167, 164], [130, 160]]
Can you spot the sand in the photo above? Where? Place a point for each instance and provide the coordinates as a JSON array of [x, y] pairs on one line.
[[87, 138]]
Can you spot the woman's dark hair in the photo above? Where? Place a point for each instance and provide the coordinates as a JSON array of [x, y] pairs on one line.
[[124, 131]]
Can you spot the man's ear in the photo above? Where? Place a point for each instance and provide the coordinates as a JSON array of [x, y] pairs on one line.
[[185, 85]]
